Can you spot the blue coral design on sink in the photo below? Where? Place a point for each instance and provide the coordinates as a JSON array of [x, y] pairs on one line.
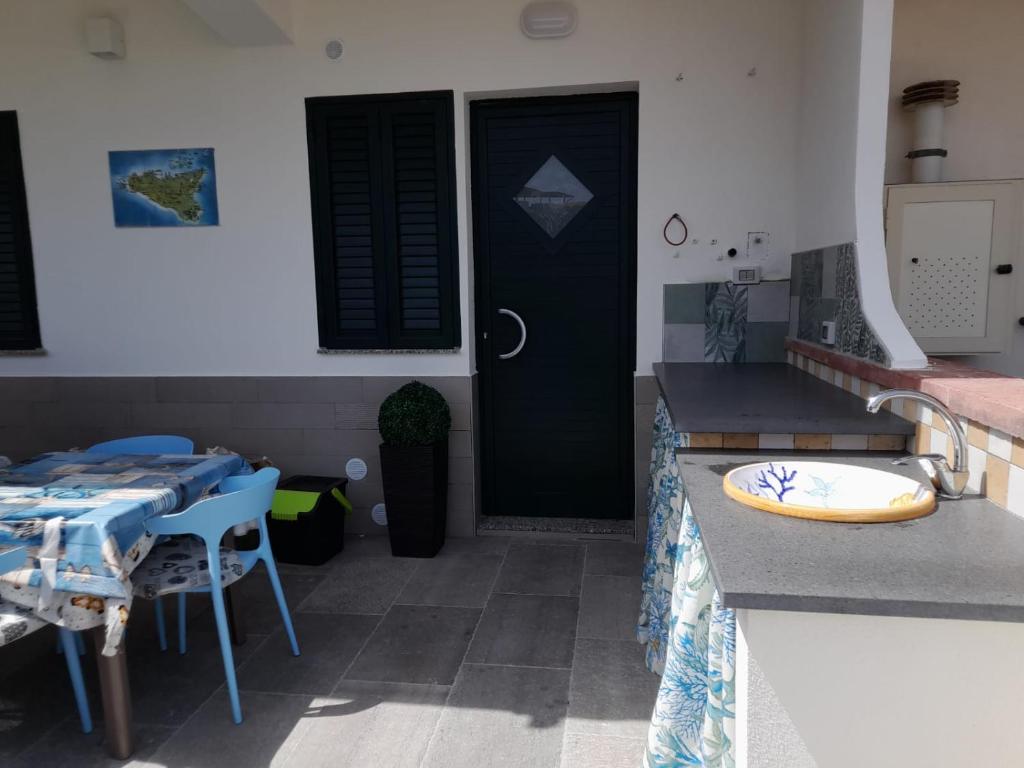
[[773, 481], [829, 491]]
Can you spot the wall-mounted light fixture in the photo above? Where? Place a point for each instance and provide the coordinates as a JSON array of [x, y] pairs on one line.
[[548, 19], [104, 37]]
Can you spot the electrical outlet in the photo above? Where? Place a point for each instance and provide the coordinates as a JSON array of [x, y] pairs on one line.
[[757, 245]]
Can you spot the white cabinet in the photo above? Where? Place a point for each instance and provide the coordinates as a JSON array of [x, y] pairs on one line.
[[954, 262]]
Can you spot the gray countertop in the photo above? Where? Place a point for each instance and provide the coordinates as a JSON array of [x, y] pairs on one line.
[[964, 561], [773, 398]]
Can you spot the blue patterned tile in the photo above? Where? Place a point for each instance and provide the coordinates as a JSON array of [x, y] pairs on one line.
[[725, 321]]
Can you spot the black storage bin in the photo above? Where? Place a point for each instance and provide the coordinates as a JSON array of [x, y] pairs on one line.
[[311, 536]]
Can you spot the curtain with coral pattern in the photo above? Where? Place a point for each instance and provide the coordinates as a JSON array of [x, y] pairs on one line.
[[690, 637]]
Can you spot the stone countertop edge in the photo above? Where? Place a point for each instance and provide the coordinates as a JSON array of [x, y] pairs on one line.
[[965, 561], [765, 398]]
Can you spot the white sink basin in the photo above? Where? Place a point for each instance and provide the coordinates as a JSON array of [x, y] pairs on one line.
[[818, 490]]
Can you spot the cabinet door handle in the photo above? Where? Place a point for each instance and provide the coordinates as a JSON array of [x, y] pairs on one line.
[[1004, 269]]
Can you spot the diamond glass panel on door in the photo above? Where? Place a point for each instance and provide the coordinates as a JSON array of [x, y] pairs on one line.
[[553, 196]]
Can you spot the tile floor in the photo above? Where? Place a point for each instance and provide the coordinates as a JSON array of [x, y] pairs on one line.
[[499, 652]]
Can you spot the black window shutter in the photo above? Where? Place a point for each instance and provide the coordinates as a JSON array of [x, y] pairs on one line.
[[19, 319], [382, 175]]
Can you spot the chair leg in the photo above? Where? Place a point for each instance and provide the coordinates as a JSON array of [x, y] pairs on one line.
[[79, 643], [161, 629], [219, 611], [67, 640], [182, 618], [275, 582]]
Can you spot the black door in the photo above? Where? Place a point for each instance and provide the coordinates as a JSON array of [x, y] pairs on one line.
[[554, 185]]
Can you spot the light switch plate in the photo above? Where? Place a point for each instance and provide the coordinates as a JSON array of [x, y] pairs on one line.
[[746, 275]]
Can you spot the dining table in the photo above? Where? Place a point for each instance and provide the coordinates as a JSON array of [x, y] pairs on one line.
[[72, 531]]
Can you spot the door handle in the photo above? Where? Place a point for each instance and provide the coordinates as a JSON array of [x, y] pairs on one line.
[[522, 334]]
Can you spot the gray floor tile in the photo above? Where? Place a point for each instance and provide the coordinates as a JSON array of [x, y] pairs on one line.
[[67, 747], [38, 696], [328, 642], [360, 585], [609, 607], [476, 545], [587, 750], [369, 724], [256, 600], [507, 717], [168, 687], [613, 558], [265, 736], [416, 644], [541, 569], [612, 693], [300, 712], [454, 579], [366, 546], [526, 630]]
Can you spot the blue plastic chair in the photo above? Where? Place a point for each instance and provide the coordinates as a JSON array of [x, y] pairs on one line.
[[145, 445], [242, 498]]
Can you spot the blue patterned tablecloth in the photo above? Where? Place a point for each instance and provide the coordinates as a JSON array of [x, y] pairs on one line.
[[690, 637], [81, 518]]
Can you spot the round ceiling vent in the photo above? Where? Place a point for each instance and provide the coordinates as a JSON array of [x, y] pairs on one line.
[[334, 49], [355, 468], [379, 514]]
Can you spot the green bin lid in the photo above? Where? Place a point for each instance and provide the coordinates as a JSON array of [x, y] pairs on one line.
[[288, 505]]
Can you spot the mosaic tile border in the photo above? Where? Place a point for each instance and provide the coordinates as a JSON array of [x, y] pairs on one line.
[[995, 458]]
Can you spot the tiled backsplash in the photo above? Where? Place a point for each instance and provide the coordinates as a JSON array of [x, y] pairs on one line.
[[791, 441], [726, 323], [823, 284], [995, 459]]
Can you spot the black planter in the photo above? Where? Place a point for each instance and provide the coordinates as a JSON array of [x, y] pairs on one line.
[[416, 497]]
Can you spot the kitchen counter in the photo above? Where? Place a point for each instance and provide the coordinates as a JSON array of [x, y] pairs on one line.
[[769, 398], [964, 561]]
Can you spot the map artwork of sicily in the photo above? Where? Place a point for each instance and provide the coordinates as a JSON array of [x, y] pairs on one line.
[[164, 188]]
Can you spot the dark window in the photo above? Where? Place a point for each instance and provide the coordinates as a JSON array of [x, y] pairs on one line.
[[19, 320], [382, 175]]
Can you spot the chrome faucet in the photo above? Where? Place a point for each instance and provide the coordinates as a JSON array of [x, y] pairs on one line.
[[947, 481]]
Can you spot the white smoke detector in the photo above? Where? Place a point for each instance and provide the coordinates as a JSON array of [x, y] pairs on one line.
[[542, 20]]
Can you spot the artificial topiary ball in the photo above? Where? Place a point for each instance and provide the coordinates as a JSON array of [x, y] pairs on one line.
[[415, 414]]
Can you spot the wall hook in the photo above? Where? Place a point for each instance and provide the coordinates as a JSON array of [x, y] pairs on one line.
[[752, 72], [679, 77], [686, 231]]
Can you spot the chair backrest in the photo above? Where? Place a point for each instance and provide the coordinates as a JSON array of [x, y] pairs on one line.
[[242, 498], [145, 445]]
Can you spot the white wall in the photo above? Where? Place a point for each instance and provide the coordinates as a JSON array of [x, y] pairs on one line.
[[979, 44], [719, 147], [827, 157], [844, 77]]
